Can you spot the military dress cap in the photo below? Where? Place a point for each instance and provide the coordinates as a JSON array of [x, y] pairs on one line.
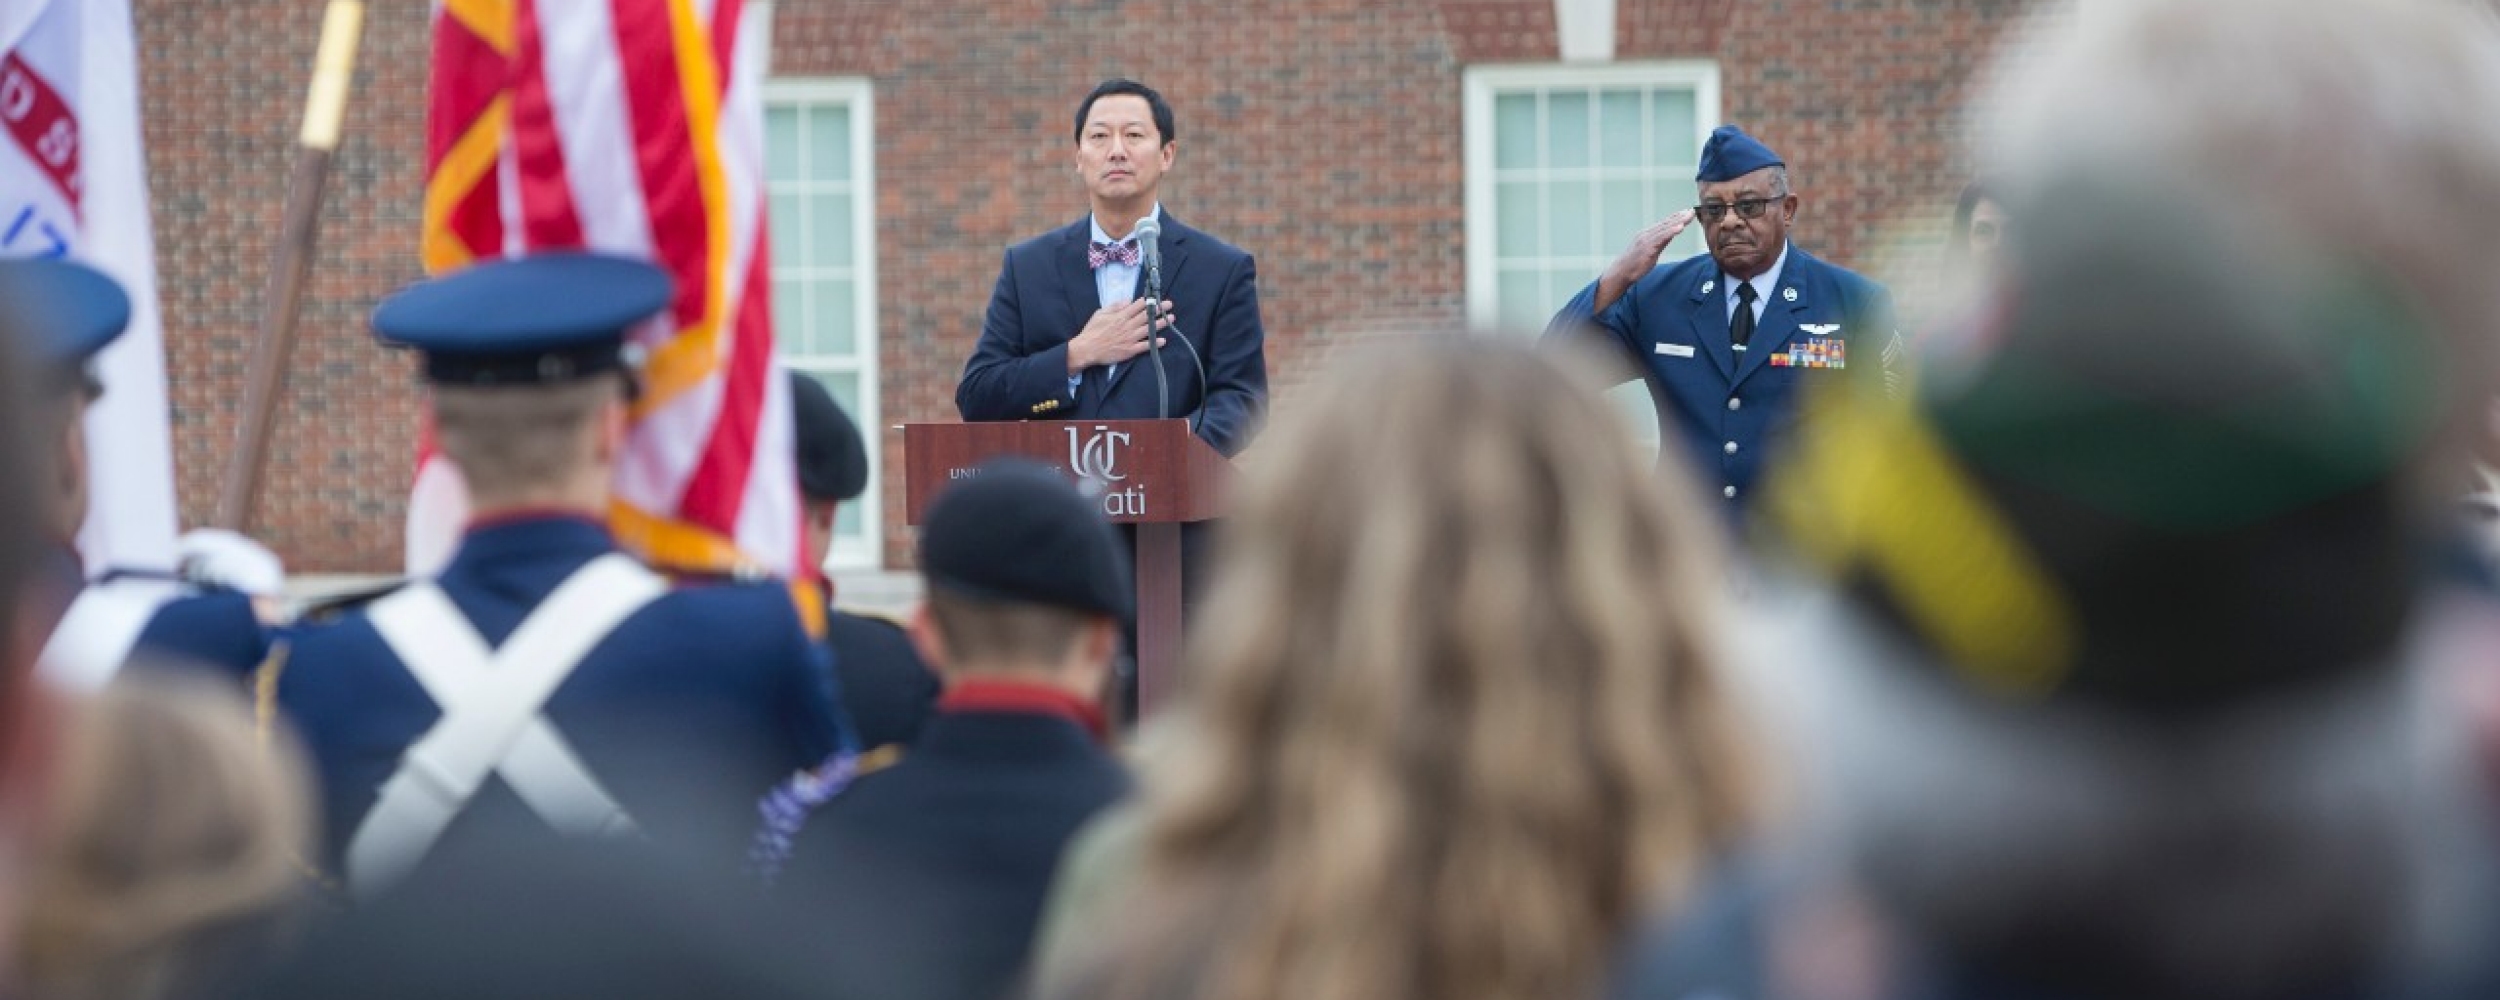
[[833, 460], [539, 319], [1019, 532], [1731, 154], [66, 310]]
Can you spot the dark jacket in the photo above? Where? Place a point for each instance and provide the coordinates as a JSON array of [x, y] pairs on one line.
[[929, 876]]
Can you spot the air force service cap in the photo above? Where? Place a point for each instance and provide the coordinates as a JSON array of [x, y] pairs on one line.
[[833, 460], [65, 311], [1731, 154], [544, 318], [1019, 532]]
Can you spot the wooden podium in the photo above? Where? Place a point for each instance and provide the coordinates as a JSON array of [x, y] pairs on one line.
[[1154, 474]]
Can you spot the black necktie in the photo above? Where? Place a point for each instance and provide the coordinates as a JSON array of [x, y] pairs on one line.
[[1740, 326]]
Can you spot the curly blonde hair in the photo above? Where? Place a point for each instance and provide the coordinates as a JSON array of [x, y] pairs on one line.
[[1456, 715]]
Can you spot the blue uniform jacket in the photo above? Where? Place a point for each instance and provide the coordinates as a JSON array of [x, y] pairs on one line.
[[688, 712], [212, 628], [1046, 293], [1730, 411]]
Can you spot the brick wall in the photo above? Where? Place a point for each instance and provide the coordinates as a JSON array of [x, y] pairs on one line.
[[223, 92], [1322, 135]]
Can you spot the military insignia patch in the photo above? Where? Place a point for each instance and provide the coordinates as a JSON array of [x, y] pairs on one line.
[[1814, 352]]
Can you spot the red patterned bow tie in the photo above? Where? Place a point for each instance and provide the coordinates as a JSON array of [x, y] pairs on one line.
[[1124, 252]]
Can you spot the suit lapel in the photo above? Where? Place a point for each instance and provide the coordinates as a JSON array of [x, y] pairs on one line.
[[1708, 319], [1076, 278]]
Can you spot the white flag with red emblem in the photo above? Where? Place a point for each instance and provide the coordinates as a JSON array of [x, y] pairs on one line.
[[73, 183]]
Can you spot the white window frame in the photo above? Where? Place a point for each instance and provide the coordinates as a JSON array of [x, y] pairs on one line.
[[1484, 83], [860, 96]]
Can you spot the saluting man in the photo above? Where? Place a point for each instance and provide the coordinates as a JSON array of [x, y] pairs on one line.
[[67, 312], [545, 680], [1727, 341]]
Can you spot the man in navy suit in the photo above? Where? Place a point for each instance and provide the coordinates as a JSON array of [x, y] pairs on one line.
[[1067, 326], [1728, 341], [67, 313], [929, 876], [545, 681]]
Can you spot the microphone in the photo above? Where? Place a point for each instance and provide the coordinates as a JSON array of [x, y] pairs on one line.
[[1149, 233]]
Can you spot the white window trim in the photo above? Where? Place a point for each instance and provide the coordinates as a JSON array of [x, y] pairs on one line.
[[860, 96], [1482, 83]]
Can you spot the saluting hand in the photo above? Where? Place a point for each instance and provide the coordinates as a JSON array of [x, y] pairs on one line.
[[1115, 334], [1639, 258]]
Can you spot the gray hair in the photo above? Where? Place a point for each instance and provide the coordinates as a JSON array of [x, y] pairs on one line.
[[2359, 126]]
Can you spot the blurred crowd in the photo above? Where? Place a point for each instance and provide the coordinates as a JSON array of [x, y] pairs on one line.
[[2135, 637]]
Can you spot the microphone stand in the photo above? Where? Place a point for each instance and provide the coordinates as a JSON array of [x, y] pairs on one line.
[[1154, 331]]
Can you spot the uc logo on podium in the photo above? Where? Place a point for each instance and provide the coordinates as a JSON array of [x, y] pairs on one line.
[[1097, 456]]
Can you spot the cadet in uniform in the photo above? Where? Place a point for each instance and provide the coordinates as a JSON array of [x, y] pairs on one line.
[[930, 874], [886, 689], [70, 312], [1726, 340], [545, 680]]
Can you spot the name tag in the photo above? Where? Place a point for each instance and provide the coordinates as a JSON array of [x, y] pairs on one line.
[[1676, 350]]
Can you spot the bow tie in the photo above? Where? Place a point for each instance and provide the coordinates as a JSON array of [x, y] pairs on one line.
[[1124, 252]]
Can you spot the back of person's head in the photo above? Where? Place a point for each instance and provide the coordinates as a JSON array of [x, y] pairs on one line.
[[1021, 569], [1454, 710], [2128, 591], [167, 863], [520, 440], [2359, 124]]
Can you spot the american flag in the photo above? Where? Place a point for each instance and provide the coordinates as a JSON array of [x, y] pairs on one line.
[[631, 127]]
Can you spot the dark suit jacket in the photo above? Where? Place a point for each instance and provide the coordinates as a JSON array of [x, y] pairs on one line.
[[1046, 293], [1727, 410], [929, 876]]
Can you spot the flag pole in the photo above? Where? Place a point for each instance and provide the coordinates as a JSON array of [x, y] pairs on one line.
[[325, 113]]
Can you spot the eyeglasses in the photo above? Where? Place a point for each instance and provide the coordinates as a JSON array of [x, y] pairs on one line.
[[1749, 208]]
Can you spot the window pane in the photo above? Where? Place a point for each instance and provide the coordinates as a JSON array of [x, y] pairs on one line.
[[1622, 210], [1518, 220], [790, 315], [781, 144], [1675, 192], [1514, 131], [1522, 306], [1619, 129], [1671, 128], [785, 221], [835, 329], [1567, 129], [829, 144], [1572, 218], [829, 230]]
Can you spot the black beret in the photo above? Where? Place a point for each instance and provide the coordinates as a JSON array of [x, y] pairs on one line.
[[1019, 532], [833, 460]]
